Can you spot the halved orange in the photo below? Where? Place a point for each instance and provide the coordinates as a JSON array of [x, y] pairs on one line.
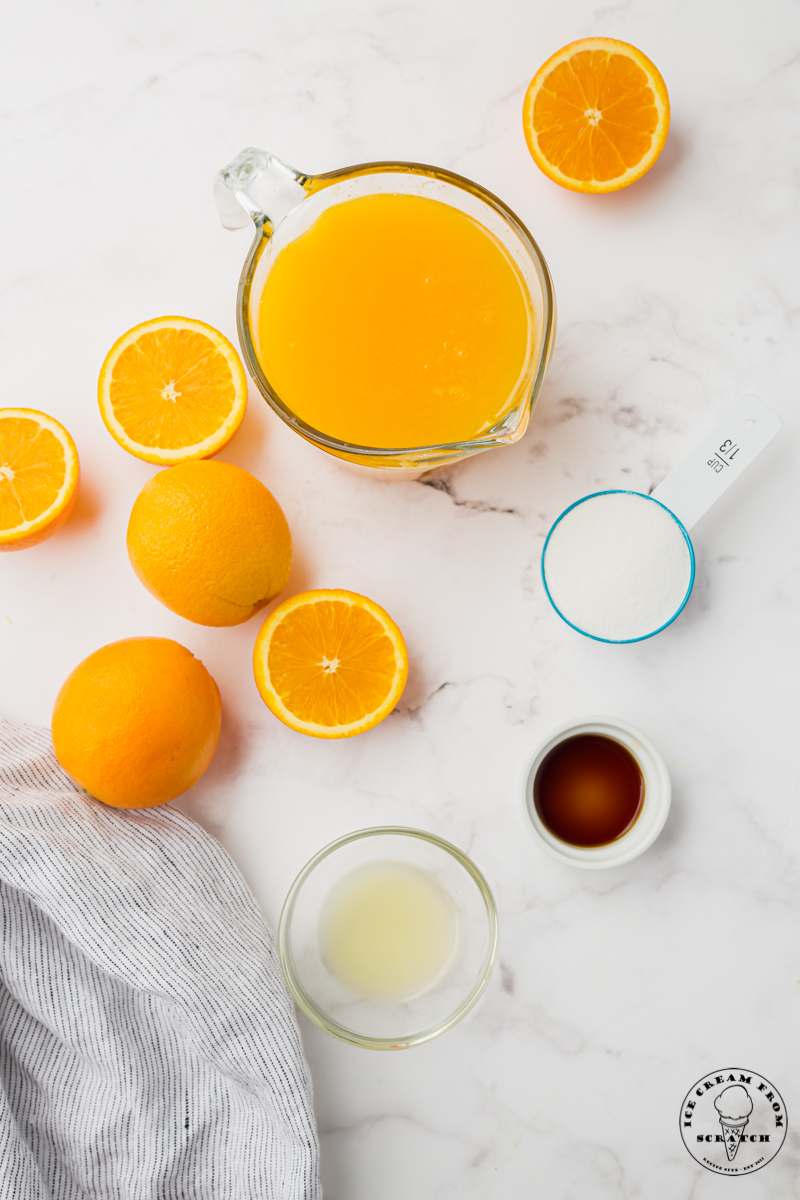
[[38, 477], [596, 115], [172, 389], [330, 663]]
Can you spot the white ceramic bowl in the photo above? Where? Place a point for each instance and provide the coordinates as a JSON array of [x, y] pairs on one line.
[[657, 796]]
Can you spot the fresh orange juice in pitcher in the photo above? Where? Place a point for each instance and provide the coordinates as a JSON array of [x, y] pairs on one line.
[[395, 320], [397, 316]]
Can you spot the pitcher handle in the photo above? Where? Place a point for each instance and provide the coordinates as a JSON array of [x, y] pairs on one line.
[[256, 186]]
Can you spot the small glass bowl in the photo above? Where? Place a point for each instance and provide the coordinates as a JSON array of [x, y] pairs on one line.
[[388, 1025]]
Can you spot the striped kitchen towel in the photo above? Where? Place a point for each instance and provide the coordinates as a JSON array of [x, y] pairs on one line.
[[148, 1045]]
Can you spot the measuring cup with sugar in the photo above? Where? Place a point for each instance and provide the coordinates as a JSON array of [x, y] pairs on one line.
[[618, 566]]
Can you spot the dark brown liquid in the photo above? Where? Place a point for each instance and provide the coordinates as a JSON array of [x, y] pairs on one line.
[[588, 790]]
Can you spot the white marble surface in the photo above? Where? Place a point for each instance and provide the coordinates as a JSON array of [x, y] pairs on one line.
[[614, 991]]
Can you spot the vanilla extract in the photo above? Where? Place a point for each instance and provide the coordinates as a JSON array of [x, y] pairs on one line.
[[589, 790]]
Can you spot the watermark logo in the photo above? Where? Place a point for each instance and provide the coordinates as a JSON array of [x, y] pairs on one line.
[[733, 1122]]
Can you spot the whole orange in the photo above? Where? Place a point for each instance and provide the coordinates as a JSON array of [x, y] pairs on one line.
[[210, 542], [137, 722]]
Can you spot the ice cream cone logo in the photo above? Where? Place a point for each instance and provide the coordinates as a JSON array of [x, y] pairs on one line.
[[734, 1106], [733, 1121]]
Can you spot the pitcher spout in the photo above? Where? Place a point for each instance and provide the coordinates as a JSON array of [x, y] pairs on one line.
[[256, 186]]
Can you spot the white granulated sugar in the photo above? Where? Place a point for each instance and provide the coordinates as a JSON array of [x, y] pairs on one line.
[[617, 566]]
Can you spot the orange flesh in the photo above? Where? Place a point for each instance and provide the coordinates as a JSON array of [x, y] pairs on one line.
[[32, 471], [331, 663], [181, 367], [395, 321], [595, 115]]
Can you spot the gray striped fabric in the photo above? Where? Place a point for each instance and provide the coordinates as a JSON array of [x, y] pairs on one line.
[[148, 1046]]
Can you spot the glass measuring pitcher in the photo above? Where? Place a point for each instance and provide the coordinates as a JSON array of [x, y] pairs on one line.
[[284, 204]]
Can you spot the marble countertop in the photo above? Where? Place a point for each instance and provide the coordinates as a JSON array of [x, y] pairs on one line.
[[614, 990]]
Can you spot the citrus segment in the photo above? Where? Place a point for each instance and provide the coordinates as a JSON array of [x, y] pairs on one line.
[[330, 663], [38, 477], [137, 722], [172, 389], [596, 115]]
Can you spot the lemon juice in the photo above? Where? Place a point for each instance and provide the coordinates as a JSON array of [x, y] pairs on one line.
[[388, 931]]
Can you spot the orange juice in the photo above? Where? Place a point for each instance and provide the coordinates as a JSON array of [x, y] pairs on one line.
[[395, 321]]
